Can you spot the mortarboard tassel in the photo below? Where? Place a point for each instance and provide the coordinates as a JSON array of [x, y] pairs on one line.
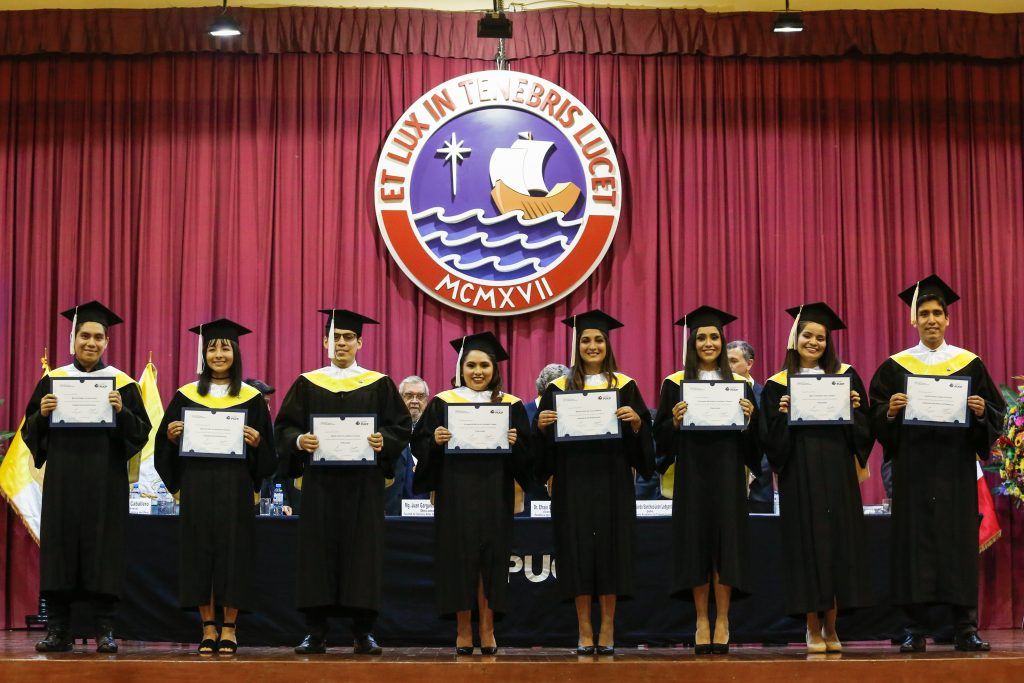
[[913, 304], [458, 364], [199, 352], [74, 324], [791, 344], [330, 340], [686, 339]]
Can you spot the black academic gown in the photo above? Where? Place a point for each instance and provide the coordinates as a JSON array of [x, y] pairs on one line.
[[709, 501], [593, 501], [475, 496], [217, 549], [935, 495], [85, 497], [341, 528], [824, 539]]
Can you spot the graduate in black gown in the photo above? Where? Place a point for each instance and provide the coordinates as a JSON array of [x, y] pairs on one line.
[[341, 528], [85, 499], [824, 539], [474, 494], [216, 552], [593, 500], [935, 495], [709, 501]]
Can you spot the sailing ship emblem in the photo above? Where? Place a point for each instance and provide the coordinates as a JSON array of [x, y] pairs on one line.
[[517, 177]]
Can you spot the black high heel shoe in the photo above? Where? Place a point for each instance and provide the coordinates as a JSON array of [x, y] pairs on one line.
[[488, 650], [227, 647], [585, 650], [208, 645], [704, 649], [719, 648], [464, 650], [605, 650]]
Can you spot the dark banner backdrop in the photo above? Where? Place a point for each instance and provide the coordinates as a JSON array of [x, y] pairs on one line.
[[181, 184]]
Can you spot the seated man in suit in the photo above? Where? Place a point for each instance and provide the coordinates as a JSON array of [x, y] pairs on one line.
[[415, 394]]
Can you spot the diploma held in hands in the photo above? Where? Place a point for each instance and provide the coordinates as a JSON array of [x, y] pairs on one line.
[[587, 415], [213, 433], [344, 439], [712, 404], [478, 428], [82, 402], [820, 400], [937, 401]]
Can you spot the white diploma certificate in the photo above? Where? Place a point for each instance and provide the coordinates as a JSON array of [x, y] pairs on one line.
[[820, 400], [587, 415], [937, 401], [712, 404], [344, 439], [478, 428], [213, 433], [82, 402]]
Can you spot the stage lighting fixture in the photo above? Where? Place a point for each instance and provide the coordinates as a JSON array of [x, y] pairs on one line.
[[494, 24], [224, 26], [788, 22]]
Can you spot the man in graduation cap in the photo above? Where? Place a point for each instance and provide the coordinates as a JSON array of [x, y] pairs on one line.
[[85, 500], [935, 495], [341, 529]]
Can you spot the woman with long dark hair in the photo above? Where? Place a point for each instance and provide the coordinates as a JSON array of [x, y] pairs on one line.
[[474, 494], [217, 548], [593, 500], [709, 503], [819, 488]]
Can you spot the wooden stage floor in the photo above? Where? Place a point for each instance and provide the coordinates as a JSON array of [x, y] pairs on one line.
[[173, 663]]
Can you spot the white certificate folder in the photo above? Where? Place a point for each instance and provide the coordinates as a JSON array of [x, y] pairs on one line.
[[344, 439], [587, 415], [83, 402], [820, 400], [213, 433], [937, 401], [712, 405], [478, 428]]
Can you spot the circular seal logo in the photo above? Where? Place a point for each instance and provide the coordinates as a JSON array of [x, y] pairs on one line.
[[497, 192]]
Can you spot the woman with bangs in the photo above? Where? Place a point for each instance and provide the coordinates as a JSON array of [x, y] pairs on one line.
[[473, 494], [593, 499], [824, 539], [709, 503], [217, 550]]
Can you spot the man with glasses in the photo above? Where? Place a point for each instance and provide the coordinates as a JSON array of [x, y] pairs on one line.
[[415, 394]]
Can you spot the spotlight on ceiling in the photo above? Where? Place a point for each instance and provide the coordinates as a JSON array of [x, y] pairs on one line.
[[494, 24], [788, 22], [224, 26]]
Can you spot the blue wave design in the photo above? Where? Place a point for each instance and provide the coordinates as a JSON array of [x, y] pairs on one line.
[[496, 248]]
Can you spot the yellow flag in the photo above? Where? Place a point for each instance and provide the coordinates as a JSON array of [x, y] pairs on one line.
[[141, 468], [20, 481]]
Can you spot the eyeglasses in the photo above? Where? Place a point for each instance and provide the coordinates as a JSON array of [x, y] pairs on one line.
[[409, 396], [348, 337]]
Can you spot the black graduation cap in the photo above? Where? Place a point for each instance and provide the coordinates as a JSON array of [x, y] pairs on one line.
[[481, 341], [595, 319], [260, 386], [932, 285], [221, 328], [818, 312], [91, 312], [343, 319], [705, 316]]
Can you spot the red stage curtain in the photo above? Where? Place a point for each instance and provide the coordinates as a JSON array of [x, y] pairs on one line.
[[176, 187], [538, 33]]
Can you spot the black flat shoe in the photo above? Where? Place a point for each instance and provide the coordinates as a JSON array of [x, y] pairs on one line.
[[702, 649], [489, 650], [585, 650], [56, 640], [970, 642], [367, 645], [464, 650], [719, 648], [227, 647], [208, 645], [312, 645], [105, 643], [913, 643], [606, 650]]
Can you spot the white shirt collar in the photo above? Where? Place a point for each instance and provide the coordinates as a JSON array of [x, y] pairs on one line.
[[473, 396], [106, 371], [708, 374], [816, 370], [335, 372], [934, 356]]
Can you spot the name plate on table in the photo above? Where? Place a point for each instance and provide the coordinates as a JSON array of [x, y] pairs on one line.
[[478, 428], [140, 506], [83, 402], [654, 508], [344, 439], [712, 405], [540, 509], [936, 401], [213, 433], [587, 415], [417, 507], [820, 400]]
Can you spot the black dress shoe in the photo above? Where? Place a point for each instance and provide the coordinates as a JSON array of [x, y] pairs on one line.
[[489, 650], [585, 650], [702, 649], [970, 642], [312, 645], [914, 643], [56, 640], [105, 643], [605, 649], [719, 648], [464, 650], [367, 645]]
